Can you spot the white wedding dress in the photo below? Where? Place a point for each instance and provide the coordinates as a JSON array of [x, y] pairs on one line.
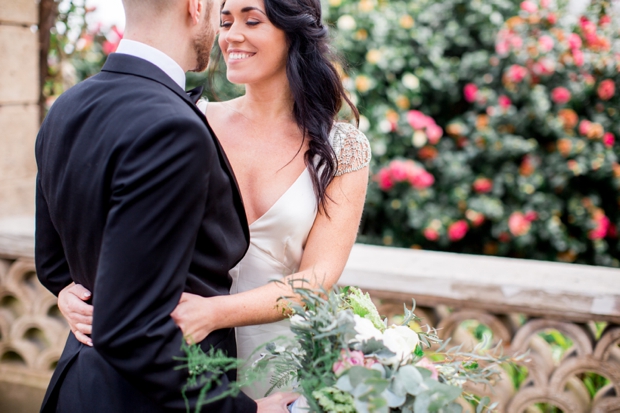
[[278, 238]]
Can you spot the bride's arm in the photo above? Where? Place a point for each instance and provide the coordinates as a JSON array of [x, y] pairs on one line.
[[325, 255]]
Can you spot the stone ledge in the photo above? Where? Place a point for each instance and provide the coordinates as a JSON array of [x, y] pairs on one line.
[[19, 11], [17, 237]]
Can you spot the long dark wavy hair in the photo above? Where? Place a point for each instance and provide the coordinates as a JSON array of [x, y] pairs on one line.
[[314, 82]]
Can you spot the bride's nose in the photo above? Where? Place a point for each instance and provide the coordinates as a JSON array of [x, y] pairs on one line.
[[234, 34]]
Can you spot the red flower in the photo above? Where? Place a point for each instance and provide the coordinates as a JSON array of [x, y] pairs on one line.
[[609, 139], [384, 179], [607, 89], [602, 227], [518, 224], [434, 133], [419, 120], [458, 230], [560, 95], [482, 185], [422, 179], [531, 216], [516, 73], [471, 92], [431, 234], [552, 18], [504, 101], [574, 41], [529, 6]]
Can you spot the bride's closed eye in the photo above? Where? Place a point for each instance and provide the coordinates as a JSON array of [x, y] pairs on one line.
[[227, 25]]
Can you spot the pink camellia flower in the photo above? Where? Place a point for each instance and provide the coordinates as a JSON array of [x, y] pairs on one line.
[[560, 95], [516, 42], [531, 216], [605, 20], [587, 26], [457, 230], [428, 365], [422, 179], [584, 127], [578, 58], [399, 170], [529, 6], [607, 89], [545, 4], [546, 43], [431, 234], [518, 224], [552, 18], [544, 67], [419, 120], [516, 73], [574, 41], [602, 227], [609, 139], [471, 92], [384, 179], [504, 101], [482, 185], [434, 133], [348, 360]]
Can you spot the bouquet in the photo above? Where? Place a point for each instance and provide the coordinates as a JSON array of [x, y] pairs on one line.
[[345, 359]]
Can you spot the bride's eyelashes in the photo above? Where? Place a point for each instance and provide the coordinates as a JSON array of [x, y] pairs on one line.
[[227, 25]]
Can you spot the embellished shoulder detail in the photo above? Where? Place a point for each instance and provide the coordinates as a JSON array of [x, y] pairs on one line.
[[351, 147]]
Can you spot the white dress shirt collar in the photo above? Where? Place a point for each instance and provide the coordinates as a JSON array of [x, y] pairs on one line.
[[155, 56]]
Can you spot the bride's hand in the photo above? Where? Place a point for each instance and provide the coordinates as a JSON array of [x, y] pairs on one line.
[[78, 314], [194, 316]]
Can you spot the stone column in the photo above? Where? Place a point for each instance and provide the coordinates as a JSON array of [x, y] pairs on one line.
[[19, 111]]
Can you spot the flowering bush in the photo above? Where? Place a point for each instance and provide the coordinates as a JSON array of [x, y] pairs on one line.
[[493, 125]]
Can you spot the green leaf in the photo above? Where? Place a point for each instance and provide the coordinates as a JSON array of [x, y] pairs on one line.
[[410, 379]]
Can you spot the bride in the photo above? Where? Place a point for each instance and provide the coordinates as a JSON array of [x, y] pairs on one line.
[[302, 174]]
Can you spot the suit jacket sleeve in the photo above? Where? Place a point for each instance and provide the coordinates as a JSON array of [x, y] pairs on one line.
[[51, 264], [159, 188]]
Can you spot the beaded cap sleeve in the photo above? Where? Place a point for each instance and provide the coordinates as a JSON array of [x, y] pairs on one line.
[[351, 147]]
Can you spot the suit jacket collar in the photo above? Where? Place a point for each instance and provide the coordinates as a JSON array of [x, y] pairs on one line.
[[131, 65]]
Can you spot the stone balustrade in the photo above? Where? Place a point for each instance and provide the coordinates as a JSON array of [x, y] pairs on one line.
[[515, 301]]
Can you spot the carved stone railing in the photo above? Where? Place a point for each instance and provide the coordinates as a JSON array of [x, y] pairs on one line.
[[515, 301]]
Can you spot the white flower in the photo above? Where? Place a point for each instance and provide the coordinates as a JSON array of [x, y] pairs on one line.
[[346, 22], [402, 341], [411, 81], [365, 329], [419, 139], [385, 126]]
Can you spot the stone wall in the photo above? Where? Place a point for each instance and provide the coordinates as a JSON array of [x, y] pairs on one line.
[[19, 110]]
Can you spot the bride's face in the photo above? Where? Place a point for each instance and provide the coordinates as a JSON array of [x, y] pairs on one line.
[[254, 49]]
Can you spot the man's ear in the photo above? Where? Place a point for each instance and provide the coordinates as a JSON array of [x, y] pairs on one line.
[[196, 9]]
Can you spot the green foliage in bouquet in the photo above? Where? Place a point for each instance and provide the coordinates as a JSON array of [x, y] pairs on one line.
[[493, 125], [339, 361]]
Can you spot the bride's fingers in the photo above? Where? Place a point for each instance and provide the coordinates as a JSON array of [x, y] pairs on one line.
[[84, 328], [82, 338]]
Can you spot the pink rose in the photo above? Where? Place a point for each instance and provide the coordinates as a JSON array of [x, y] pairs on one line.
[[384, 179], [552, 18], [471, 92], [457, 230], [560, 95], [544, 67], [545, 4], [421, 179], [516, 73], [546, 43], [502, 48], [531, 216], [584, 127], [609, 139], [428, 365], [529, 6], [348, 360], [607, 89], [574, 41], [483, 185], [518, 224], [602, 227], [605, 20], [431, 234], [434, 133], [516, 42], [587, 26], [504, 101]]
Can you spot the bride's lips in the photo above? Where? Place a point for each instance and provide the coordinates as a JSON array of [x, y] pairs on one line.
[[235, 56]]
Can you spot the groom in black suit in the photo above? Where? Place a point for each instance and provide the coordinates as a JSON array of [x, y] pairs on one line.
[[137, 202]]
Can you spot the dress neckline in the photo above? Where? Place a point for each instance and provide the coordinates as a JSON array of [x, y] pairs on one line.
[[280, 198]]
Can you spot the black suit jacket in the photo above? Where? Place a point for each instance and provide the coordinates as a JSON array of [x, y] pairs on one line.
[[137, 202]]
